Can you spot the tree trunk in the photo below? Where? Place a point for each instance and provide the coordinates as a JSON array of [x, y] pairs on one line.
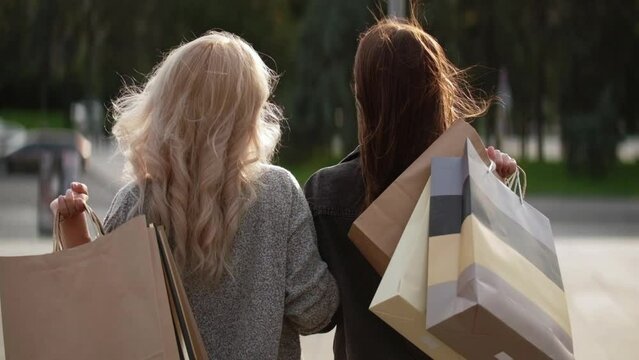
[[46, 14], [541, 82], [523, 134]]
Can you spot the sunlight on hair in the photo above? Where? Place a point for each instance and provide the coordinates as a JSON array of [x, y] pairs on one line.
[[195, 138]]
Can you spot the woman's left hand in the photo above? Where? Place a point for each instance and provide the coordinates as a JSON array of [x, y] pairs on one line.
[[71, 206], [505, 165]]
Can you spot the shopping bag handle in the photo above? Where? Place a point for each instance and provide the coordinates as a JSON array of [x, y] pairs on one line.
[[57, 233], [514, 181]]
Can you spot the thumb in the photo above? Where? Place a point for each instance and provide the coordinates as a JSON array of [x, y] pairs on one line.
[[490, 151]]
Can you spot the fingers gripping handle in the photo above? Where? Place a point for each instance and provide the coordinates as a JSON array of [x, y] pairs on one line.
[[57, 227]]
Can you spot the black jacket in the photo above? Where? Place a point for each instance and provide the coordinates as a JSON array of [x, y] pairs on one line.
[[335, 195]]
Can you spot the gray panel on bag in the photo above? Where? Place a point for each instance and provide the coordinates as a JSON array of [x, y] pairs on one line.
[[445, 215], [447, 176]]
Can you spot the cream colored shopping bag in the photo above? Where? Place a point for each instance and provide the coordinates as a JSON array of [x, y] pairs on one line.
[[400, 298]]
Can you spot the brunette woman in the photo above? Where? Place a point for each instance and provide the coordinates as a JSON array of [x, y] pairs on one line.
[[407, 93]]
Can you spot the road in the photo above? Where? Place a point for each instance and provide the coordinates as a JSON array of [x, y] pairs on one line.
[[597, 243]]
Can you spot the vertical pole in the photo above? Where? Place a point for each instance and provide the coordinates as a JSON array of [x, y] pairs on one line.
[[49, 185]]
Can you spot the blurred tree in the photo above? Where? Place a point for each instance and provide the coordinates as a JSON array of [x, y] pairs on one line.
[[559, 55], [595, 95], [61, 51], [324, 62]]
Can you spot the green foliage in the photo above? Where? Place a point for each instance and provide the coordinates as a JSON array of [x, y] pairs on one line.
[[32, 119], [544, 178], [302, 170], [59, 51], [555, 179], [559, 54]]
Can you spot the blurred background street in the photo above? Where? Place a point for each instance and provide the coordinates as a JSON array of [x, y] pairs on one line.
[[568, 111], [597, 241]]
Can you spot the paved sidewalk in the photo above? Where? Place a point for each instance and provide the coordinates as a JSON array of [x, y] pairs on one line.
[[601, 283], [602, 287]]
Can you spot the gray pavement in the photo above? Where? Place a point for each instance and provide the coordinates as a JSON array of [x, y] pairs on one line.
[[597, 243], [590, 218], [602, 287], [19, 195]]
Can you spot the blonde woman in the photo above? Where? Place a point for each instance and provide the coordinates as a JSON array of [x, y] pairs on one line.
[[198, 138]]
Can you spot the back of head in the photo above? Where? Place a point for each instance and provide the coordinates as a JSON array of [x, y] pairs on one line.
[[195, 137], [407, 94]]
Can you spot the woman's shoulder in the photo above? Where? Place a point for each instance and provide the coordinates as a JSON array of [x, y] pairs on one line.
[[277, 187], [278, 178], [336, 189], [120, 209], [347, 172]]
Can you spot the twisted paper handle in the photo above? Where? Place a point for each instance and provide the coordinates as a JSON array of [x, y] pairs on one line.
[[57, 233], [515, 184]]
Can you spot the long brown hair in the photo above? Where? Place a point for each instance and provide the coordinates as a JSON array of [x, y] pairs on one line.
[[407, 94]]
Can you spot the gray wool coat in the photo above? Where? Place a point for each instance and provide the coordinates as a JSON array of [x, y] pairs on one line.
[[280, 286]]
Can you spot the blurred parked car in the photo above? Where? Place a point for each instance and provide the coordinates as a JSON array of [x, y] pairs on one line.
[[24, 151], [11, 134]]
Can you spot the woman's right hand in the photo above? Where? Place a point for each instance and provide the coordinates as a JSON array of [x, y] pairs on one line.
[[70, 207]]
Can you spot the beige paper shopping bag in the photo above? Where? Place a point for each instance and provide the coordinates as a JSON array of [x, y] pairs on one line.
[[399, 299], [102, 300], [378, 229]]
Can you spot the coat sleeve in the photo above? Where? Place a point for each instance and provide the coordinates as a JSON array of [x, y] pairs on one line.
[[311, 296]]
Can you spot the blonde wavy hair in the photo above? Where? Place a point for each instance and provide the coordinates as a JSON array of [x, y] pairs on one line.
[[195, 138]]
